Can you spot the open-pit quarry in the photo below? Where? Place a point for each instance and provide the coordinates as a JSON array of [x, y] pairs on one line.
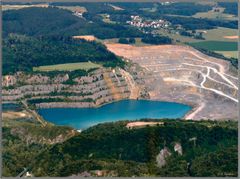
[[182, 74]]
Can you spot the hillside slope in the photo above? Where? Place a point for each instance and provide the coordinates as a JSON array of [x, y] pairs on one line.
[[119, 151], [22, 53]]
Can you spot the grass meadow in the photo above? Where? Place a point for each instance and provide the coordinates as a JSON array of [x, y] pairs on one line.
[[68, 67]]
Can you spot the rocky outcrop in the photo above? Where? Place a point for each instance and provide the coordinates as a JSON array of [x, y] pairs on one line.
[[161, 157], [99, 87], [41, 137]]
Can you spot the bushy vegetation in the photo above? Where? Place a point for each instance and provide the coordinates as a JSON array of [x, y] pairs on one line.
[[21, 53], [191, 23], [230, 7], [23, 141], [126, 41], [49, 100], [138, 147], [156, 40]]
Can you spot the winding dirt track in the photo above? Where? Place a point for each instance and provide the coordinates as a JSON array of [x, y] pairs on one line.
[[183, 74]]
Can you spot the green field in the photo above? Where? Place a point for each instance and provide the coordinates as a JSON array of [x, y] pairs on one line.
[[219, 33], [215, 15], [229, 54], [216, 45], [177, 37], [68, 67]]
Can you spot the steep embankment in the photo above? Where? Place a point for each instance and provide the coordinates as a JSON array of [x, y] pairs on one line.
[[182, 74], [24, 138]]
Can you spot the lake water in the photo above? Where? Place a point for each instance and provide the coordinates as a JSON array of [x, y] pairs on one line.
[[82, 118]]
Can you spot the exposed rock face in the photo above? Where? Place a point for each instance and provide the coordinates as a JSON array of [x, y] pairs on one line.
[[65, 105], [178, 148], [161, 157], [182, 74], [30, 138], [9, 80], [99, 87]]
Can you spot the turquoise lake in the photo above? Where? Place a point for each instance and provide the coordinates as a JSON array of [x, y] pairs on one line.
[[82, 118]]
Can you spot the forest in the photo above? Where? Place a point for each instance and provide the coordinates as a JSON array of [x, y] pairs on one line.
[[58, 22], [230, 7], [191, 23], [216, 143], [23, 53], [136, 8], [55, 21]]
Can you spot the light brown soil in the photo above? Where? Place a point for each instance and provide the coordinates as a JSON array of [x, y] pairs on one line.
[[14, 115], [131, 125], [231, 37], [116, 8], [85, 37], [182, 74]]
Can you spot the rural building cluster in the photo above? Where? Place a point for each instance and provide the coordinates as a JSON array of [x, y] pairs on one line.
[[78, 14], [139, 22]]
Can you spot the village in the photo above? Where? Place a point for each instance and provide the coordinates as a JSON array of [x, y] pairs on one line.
[[139, 22], [161, 25]]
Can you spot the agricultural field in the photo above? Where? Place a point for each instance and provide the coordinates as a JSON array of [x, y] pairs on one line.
[[68, 67], [177, 37], [16, 7], [228, 54], [220, 34], [216, 45], [85, 37], [226, 48], [216, 15], [73, 8]]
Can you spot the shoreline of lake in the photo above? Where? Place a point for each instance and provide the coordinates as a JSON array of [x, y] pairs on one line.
[[118, 110]]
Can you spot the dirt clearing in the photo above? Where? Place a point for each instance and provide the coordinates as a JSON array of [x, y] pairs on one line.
[[173, 71]]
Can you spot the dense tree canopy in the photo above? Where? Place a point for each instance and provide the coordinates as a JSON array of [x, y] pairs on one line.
[[157, 40], [55, 21], [113, 141], [21, 53], [41, 21], [230, 7]]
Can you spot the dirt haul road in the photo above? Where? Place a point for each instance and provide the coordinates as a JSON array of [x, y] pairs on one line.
[[183, 74]]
